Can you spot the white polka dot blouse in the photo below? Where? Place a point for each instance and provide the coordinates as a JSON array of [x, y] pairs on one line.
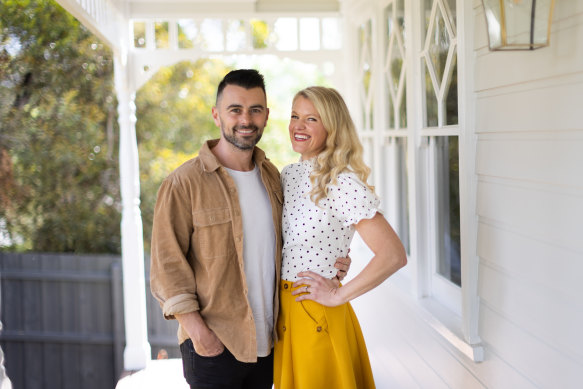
[[314, 236]]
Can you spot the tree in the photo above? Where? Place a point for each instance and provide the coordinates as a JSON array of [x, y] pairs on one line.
[[58, 145], [59, 183], [174, 120]]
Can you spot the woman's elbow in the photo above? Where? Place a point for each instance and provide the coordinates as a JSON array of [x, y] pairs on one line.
[[403, 260], [400, 257]]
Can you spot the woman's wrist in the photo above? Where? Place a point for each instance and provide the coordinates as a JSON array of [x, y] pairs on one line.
[[337, 294]]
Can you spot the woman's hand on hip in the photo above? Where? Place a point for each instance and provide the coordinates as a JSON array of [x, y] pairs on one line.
[[322, 290]]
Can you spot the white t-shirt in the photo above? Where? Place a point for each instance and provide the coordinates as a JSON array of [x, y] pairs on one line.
[[258, 253], [314, 237]]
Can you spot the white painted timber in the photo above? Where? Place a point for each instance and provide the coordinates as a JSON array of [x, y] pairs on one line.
[[529, 163], [564, 55], [549, 315], [549, 104], [137, 350], [539, 213], [541, 263], [544, 158], [541, 364]]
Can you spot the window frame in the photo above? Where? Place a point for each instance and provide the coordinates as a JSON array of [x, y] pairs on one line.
[[438, 297]]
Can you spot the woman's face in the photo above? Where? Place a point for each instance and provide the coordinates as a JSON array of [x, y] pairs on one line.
[[306, 131]]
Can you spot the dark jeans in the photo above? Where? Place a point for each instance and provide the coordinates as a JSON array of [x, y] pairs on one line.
[[224, 371]]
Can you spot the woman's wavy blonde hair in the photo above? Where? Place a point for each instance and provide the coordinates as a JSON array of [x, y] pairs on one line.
[[343, 150]]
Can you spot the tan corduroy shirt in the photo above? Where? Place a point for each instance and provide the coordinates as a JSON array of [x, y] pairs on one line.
[[197, 249]]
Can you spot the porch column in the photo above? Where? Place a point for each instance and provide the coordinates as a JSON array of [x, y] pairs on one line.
[[137, 351]]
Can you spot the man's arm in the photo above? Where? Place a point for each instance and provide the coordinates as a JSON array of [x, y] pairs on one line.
[[204, 340], [171, 277], [343, 265]]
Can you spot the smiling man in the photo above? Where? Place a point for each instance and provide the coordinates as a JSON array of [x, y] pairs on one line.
[[216, 246]]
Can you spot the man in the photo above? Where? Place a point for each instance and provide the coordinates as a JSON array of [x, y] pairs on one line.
[[216, 246]]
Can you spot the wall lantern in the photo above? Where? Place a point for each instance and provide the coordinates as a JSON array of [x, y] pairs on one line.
[[518, 24]]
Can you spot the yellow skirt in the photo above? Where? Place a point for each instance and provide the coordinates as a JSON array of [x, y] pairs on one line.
[[319, 347]]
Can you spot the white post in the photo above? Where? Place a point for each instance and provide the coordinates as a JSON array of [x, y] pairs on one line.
[[137, 350], [5, 382]]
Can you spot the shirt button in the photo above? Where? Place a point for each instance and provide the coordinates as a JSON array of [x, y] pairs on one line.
[[285, 286], [319, 329], [284, 328]]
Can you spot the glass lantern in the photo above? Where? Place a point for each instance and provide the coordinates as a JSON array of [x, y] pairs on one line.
[[518, 24]]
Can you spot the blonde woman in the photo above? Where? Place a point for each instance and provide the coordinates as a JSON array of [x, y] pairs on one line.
[[327, 199]]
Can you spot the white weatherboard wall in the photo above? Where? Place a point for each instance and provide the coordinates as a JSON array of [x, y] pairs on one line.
[[529, 164], [528, 123]]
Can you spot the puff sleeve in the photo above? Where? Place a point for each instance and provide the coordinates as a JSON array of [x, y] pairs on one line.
[[350, 200]]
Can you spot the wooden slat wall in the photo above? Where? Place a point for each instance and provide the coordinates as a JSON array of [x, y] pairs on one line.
[[63, 320]]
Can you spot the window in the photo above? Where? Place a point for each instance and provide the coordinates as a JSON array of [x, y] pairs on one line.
[[395, 130], [407, 67], [438, 58]]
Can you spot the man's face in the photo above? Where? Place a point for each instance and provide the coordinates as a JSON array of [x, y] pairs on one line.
[[242, 115]]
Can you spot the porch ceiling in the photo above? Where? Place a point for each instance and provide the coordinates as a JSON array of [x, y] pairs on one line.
[[182, 8], [109, 18]]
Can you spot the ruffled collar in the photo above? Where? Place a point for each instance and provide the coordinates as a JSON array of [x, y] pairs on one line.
[[308, 162]]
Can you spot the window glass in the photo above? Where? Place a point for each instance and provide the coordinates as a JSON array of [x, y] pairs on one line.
[[439, 60], [186, 33], [211, 35], [395, 66], [365, 68], [286, 32], [161, 35], [331, 34], [139, 34], [448, 208], [309, 34], [236, 36]]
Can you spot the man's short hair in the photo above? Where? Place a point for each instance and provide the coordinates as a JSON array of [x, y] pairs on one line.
[[245, 78]]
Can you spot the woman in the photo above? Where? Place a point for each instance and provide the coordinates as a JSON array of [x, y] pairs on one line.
[[326, 199]]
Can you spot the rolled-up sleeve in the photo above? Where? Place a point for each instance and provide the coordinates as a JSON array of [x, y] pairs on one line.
[[172, 279]]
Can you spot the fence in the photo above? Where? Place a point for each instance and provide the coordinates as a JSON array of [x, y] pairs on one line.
[[63, 320]]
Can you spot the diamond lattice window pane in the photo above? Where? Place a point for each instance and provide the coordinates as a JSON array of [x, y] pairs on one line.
[[431, 109], [365, 66], [451, 98], [439, 43], [395, 66], [440, 54]]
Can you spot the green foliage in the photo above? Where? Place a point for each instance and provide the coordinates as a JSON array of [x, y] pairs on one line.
[[59, 183], [174, 120], [59, 153], [174, 116], [260, 33]]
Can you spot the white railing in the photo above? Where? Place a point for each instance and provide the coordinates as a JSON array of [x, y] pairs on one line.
[[100, 16]]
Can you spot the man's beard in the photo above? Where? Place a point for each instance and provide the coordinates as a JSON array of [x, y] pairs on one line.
[[242, 144]]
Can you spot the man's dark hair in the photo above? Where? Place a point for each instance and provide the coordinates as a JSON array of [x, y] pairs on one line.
[[245, 78]]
